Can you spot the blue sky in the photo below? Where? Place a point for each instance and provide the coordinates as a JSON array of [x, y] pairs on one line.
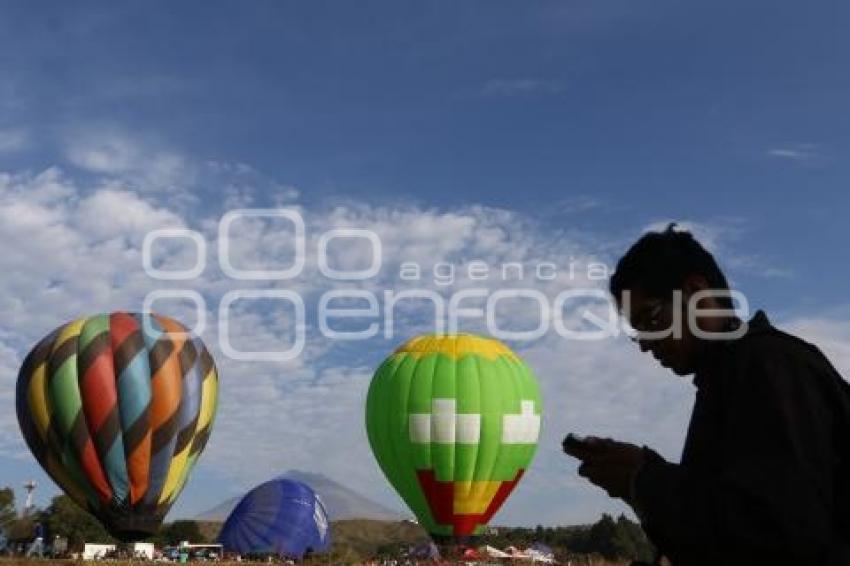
[[579, 123], [659, 109]]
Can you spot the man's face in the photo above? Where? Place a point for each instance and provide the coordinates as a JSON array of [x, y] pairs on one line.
[[650, 314]]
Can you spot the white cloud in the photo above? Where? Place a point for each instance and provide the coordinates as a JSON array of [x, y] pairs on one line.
[[66, 253], [521, 86], [579, 204], [721, 236], [240, 184], [831, 335], [756, 265], [70, 250], [115, 154], [11, 441], [88, 243], [109, 213], [14, 140], [710, 234], [597, 387], [316, 423], [798, 152]]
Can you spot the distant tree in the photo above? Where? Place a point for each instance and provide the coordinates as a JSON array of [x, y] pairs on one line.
[[65, 518], [178, 531], [20, 528], [601, 537], [391, 549], [631, 542], [8, 513], [337, 555]]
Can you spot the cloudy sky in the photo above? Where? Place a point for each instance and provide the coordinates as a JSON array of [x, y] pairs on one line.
[[497, 132]]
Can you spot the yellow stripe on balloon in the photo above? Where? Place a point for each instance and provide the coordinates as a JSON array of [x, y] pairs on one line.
[[69, 331], [473, 497], [209, 393], [175, 472], [40, 414], [208, 400], [181, 482], [37, 399], [455, 346]]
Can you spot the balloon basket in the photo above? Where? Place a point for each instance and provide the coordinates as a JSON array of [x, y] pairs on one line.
[[453, 547], [131, 528]]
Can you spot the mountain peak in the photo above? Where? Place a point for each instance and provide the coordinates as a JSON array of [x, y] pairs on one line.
[[341, 503]]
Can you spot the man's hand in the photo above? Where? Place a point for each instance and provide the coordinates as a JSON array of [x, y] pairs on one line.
[[608, 464]]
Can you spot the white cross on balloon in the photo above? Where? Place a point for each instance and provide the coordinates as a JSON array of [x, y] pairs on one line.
[[445, 426]]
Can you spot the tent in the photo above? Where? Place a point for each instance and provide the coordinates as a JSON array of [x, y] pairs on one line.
[[493, 552], [539, 552], [425, 551]]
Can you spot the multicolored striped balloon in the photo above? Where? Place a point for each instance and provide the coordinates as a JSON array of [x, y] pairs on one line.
[[117, 408], [453, 422]]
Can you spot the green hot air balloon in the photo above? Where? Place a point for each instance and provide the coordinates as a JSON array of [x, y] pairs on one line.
[[453, 422]]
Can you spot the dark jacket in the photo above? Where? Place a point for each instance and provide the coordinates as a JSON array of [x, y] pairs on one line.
[[764, 473]]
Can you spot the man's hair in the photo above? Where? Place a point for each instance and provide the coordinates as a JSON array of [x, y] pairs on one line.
[[659, 262]]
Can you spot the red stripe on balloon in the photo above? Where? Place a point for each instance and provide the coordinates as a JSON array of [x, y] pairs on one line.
[[122, 325], [98, 390], [98, 395], [440, 498], [439, 495], [465, 525], [94, 472]]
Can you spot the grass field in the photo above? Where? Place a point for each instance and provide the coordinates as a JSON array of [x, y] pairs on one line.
[[360, 536], [334, 559], [356, 541]]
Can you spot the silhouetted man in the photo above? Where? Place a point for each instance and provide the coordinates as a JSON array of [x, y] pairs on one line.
[[763, 477]]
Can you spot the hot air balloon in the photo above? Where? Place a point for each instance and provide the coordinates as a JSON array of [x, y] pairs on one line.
[[117, 408], [282, 516], [453, 422]]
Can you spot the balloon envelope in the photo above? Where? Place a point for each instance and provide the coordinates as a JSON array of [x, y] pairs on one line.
[[282, 516], [453, 422], [117, 408]]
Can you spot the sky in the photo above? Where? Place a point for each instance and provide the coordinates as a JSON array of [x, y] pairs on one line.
[[523, 132]]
